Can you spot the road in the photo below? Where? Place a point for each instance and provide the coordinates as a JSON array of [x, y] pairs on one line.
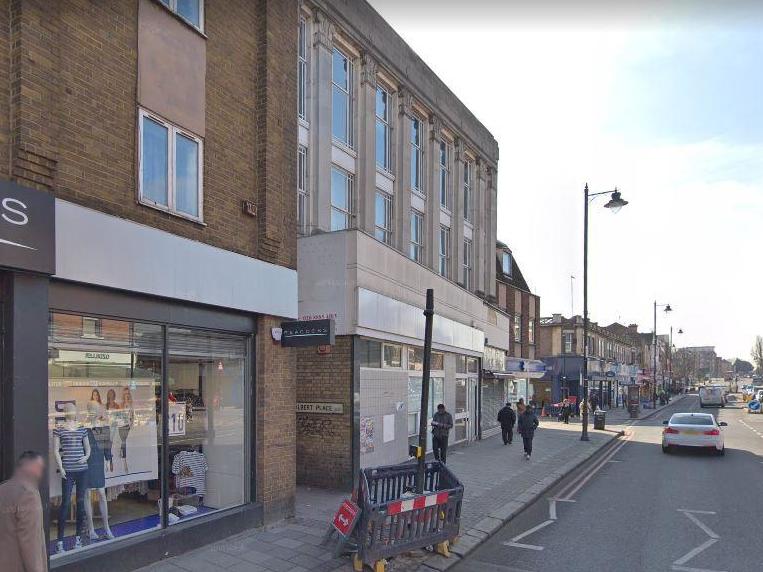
[[634, 508]]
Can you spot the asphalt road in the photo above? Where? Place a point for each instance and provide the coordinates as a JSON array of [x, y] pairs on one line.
[[634, 508]]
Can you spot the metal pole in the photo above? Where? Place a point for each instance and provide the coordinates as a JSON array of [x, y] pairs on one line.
[[424, 410], [654, 360], [584, 398]]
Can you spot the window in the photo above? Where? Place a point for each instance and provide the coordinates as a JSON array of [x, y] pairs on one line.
[[444, 172], [417, 236], [417, 155], [382, 129], [436, 396], [444, 250], [468, 190], [567, 339], [531, 331], [467, 264], [393, 355], [517, 328], [192, 11], [437, 361], [506, 263], [170, 168], [91, 327], [370, 353], [383, 217], [341, 100], [472, 365], [341, 199], [415, 359], [302, 207], [302, 70], [461, 363]]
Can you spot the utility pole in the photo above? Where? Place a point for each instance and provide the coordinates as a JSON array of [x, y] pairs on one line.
[[424, 410]]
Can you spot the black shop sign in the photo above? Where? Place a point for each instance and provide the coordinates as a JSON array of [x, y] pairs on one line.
[[27, 229], [302, 333]]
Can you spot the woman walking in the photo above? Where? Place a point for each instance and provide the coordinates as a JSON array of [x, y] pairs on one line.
[[528, 423], [565, 412]]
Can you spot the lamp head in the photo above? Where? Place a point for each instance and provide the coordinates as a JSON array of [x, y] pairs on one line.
[[668, 308], [616, 202], [680, 331]]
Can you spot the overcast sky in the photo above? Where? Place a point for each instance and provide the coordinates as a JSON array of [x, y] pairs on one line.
[[662, 100]]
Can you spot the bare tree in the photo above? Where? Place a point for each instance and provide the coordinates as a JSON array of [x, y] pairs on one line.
[[757, 354]]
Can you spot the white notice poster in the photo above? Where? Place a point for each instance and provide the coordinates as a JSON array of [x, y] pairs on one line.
[[389, 428]]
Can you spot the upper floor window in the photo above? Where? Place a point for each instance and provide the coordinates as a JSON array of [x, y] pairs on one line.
[[341, 98], [444, 173], [417, 236], [468, 168], [383, 217], [468, 264], [170, 167], [302, 70], [531, 331], [506, 263], [567, 342], [302, 189], [192, 11], [382, 129], [444, 251], [517, 328], [417, 155], [341, 199], [91, 327]]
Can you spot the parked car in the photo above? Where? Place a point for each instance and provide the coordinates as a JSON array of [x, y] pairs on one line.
[[693, 430], [710, 396]]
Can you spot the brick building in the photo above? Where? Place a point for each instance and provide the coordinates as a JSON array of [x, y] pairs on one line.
[[158, 138]]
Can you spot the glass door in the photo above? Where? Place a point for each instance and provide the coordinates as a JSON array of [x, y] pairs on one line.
[[461, 422]]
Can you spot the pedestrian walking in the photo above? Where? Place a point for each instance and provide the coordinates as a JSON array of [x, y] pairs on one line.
[[22, 539], [521, 406], [442, 422], [528, 423], [507, 418], [566, 411]]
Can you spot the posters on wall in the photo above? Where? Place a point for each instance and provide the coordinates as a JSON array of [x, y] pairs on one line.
[[366, 435], [123, 411]]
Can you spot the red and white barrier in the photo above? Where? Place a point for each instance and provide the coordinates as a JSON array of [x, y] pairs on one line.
[[423, 501]]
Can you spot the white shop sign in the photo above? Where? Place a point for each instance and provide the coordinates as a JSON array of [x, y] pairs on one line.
[[334, 408], [176, 418]]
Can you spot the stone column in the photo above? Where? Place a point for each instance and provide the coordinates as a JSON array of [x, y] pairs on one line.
[[402, 200], [320, 122], [366, 144], [432, 168], [457, 212], [491, 226], [481, 272]]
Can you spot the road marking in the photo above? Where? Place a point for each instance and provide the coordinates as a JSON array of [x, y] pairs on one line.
[[513, 542], [552, 509], [679, 564], [698, 511], [694, 551], [686, 569], [702, 525], [578, 485], [525, 546]]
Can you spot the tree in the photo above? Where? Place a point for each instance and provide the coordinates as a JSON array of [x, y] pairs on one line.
[[757, 354]]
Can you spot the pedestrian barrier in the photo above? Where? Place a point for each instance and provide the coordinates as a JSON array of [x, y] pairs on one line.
[[395, 520]]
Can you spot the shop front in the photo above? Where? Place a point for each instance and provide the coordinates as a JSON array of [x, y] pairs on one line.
[[141, 368]]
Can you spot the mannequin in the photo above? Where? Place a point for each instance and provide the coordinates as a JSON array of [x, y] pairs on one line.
[[99, 437], [71, 449]]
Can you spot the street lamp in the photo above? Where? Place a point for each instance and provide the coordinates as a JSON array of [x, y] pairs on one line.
[[654, 351], [615, 203], [670, 355]]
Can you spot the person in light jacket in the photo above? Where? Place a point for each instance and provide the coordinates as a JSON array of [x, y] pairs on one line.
[[528, 423], [22, 539]]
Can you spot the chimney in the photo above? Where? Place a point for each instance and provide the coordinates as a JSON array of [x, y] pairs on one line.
[[633, 328], [557, 318]]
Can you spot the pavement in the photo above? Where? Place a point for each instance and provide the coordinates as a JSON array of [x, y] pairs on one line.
[[635, 509], [499, 484]]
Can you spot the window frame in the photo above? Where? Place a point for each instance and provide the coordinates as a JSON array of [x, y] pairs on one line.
[[399, 348], [568, 349], [302, 69], [518, 328], [417, 245], [468, 263], [303, 190], [531, 331], [171, 5], [349, 95], [468, 172], [444, 252], [385, 231], [386, 122], [444, 178], [417, 149], [350, 190], [172, 132], [506, 268]]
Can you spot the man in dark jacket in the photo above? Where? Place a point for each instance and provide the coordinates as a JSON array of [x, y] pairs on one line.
[[507, 418], [442, 421], [528, 423]]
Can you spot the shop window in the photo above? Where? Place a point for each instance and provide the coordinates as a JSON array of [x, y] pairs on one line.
[[460, 364], [105, 397], [437, 361], [393, 355], [472, 365], [415, 359], [436, 396], [370, 353]]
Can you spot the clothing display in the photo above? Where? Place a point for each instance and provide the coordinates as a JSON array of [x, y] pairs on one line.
[[78, 480], [72, 448], [96, 470], [190, 469]]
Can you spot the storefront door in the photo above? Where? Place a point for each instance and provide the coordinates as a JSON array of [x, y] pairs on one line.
[[462, 413]]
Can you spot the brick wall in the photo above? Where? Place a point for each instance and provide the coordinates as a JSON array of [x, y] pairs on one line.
[[324, 442]]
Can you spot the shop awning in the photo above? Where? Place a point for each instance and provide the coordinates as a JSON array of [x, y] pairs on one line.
[[525, 368]]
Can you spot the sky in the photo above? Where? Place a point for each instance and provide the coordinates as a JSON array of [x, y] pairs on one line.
[[659, 99]]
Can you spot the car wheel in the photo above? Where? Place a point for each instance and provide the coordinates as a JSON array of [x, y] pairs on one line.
[[722, 452], [666, 449]]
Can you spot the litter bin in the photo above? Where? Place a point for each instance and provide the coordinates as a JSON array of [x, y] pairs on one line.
[[395, 520], [599, 419]]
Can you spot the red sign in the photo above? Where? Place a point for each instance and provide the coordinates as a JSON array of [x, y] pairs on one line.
[[346, 517]]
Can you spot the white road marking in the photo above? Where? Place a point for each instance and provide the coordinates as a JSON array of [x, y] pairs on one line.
[[525, 546], [513, 542], [698, 511], [702, 525], [552, 509], [690, 514], [686, 569], [694, 552], [595, 470]]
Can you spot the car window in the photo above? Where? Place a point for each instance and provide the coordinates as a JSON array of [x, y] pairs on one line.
[[691, 420]]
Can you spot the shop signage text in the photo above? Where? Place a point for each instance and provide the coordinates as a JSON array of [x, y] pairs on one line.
[[334, 408], [303, 333], [27, 229]]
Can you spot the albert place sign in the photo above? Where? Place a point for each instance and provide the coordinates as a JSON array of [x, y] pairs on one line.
[[27, 229]]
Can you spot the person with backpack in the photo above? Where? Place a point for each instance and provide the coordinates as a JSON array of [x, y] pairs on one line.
[[507, 418], [528, 423]]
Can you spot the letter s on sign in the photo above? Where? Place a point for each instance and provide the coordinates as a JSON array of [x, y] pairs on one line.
[[20, 217]]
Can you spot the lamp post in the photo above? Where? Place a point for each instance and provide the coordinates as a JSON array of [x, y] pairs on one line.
[[672, 347], [654, 351], [615, 203]]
